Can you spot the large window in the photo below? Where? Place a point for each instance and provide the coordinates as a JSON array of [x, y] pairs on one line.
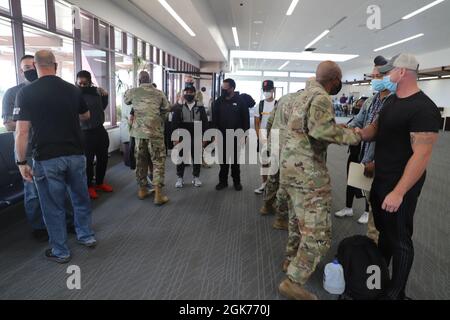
[[103, 35], [296, 86], [96, 62], [124, 81], [158, 76], [62, 48], [87, 28], [118, 40], [35, 10], [4, 4], [63, 13], [8, 77], [130, 51]]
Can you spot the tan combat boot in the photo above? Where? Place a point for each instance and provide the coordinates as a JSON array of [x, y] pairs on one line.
[[160, 199], [280, 224], [143, 193], [294, 291], [266, 209]]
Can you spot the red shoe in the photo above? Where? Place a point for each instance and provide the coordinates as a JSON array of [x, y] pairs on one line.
[[104, 187], [92, 193]]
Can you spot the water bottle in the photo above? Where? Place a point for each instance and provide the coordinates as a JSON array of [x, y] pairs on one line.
[[333, 278]]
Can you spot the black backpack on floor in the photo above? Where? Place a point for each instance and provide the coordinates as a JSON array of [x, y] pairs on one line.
[[362, 262]]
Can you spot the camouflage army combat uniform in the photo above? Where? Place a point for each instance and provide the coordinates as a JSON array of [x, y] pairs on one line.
[[150, 109], [304, 176], [273, 193]]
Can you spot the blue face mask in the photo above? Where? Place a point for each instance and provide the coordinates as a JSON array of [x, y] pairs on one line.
[[389, 85], [378, 85]]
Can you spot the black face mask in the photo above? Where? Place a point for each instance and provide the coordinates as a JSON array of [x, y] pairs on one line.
[[336, 89], [189, 98], [31, 75], [225, 93]]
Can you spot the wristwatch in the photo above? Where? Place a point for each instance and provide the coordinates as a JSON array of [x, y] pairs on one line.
[[21, 163]]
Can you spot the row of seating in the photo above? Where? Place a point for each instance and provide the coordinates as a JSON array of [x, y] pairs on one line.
[[11, 185]]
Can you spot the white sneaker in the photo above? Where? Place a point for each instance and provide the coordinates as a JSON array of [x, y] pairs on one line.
[[260, 190], [346, 212], [196, 182], [364, 218], [179, 183]]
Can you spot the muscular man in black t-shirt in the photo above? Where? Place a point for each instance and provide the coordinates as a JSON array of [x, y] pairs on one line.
[[406, 131], [53, 108]]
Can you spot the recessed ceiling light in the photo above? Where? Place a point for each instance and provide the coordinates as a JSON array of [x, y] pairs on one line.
[[292, 7], [323, 34], [399, 42], [445, 77], [258, 22], [428, 78], [177, 17], [428, 6], [235, 35], [284, 65]]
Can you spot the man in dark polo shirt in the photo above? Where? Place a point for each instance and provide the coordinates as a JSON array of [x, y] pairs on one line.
[[230, 112], [53, 109], [405, 133]]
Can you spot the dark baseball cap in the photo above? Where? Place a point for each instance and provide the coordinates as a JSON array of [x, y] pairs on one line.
[[380, 61], [268, 85], [190, 89]]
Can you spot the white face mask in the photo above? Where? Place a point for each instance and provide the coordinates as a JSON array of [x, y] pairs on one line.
[[267, 95]]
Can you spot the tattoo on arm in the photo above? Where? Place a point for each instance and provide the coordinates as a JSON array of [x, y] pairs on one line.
[[423, 138]]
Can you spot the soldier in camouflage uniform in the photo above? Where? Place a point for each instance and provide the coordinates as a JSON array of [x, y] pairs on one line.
[[274, 196], [150, 107], [304, 176]]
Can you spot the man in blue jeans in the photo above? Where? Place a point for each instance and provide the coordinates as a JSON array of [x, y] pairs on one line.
[[53, 108]]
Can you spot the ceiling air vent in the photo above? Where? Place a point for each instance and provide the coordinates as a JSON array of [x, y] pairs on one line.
[[311, 49]]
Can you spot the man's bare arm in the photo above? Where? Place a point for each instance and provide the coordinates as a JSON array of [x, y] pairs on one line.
[[369, 133], [422, 144], [22, 132]]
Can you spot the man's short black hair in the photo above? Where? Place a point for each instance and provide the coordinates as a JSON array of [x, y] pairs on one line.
[[231, 82], [84, 74], [25, 57]]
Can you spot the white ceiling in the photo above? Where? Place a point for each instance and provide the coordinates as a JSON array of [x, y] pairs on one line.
[[212, 21]]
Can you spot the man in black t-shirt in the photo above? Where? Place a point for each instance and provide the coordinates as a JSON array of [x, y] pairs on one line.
[[53, 109], [406, 131]]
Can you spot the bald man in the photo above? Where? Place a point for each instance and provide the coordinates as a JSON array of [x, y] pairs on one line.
[[54, 108], [304, 177]]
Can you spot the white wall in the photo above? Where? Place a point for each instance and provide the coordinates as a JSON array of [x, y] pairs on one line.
[[110, 12]]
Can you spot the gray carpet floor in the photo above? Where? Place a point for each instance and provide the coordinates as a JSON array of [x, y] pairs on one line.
[[206, 244]]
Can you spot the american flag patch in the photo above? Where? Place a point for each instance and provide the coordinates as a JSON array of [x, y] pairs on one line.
[[16, 111]]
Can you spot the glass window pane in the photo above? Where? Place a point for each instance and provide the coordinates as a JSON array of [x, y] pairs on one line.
[[129, 45], [148, 53], [118, 39], [124, 81], [7, 62], [62, 48], [139, 48], [281, 88], [296, 86], [87, 28], [64, 19], [155, 55], [158, 76], [104, 35], [4, 4], [96, 62], [34, 9]]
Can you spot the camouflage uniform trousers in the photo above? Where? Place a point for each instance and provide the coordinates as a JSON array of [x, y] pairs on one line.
[[275, 195], [372, 231], [309, 230], [150, 151]]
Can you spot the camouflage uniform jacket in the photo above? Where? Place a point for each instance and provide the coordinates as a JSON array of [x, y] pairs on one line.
[[150, 107], [311, 128]]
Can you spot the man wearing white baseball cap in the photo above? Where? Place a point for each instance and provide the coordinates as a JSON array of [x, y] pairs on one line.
[[405, 132]]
